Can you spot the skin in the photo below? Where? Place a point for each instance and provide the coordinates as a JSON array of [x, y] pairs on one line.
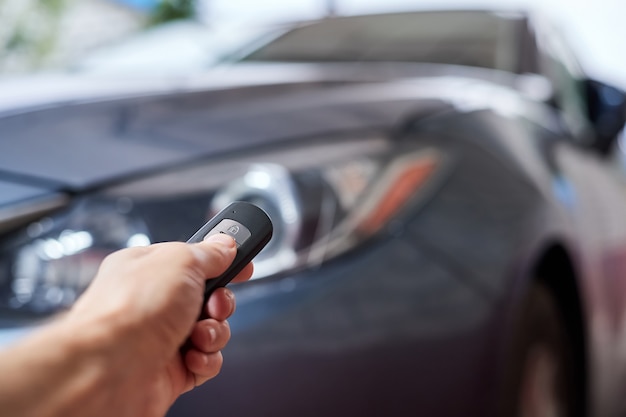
[[132, 343]]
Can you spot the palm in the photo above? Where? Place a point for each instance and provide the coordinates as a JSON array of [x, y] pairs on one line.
[[167, 385]]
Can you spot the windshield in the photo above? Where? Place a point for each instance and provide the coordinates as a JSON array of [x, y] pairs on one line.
[[472, 38]]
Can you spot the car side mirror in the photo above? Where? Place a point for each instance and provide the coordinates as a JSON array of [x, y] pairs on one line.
[[607, 113]]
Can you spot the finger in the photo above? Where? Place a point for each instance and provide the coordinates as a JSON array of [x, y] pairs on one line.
[[210, 335], [221, 304], [245, 273], [204, 260], [203, 365]]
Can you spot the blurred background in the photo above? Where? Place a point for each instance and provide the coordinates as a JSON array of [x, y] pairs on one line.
[[131, 37]]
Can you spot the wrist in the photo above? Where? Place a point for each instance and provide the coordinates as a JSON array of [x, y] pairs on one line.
[[53, 371]]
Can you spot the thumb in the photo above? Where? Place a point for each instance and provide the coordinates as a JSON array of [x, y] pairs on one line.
[[215, 254]]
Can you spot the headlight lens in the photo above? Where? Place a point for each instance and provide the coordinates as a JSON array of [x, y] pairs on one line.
[[323, 198], [48, 264]]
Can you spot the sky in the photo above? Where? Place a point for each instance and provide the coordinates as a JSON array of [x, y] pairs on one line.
[[595, 28]]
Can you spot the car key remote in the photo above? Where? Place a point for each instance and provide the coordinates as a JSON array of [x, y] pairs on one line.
[[248, 225]]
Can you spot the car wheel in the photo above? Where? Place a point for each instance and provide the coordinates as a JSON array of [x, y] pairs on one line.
[[543, 374]]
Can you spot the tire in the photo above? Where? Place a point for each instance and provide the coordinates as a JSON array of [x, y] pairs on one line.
[[543, 378]]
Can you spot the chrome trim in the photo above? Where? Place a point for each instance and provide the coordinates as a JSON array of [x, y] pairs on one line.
[[16, 215]]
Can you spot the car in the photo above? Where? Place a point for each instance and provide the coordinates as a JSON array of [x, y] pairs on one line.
[[447, 199]]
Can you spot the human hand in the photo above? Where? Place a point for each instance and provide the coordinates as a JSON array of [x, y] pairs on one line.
[[143, 306]]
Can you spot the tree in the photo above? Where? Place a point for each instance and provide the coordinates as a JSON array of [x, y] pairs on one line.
[[168, 10]]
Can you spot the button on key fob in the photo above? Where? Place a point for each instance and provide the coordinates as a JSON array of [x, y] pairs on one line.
[[248, 225]]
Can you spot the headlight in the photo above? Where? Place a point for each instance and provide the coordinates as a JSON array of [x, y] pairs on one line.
[[324, 198], [46, 265]]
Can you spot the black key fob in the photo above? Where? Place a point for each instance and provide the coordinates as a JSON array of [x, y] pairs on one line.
[[251, 228]]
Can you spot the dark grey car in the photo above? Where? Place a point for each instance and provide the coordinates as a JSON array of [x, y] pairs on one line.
[[449, 210]]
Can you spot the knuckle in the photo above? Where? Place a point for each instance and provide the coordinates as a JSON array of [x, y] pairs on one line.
[[177, 254]]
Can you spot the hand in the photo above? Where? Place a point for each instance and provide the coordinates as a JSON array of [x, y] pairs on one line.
[[143, 306]]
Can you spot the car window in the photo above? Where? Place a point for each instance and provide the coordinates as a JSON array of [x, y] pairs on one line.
[[474, 38], [559, 64]]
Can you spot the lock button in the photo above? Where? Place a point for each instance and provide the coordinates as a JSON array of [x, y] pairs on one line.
[[232, 228]]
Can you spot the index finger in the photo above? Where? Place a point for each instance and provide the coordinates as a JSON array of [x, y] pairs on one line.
[[245, 274]]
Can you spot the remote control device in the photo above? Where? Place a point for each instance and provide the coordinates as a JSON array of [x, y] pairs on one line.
[[248, 225]]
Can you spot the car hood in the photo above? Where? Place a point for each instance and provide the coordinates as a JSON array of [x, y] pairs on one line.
[[74, 134]]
